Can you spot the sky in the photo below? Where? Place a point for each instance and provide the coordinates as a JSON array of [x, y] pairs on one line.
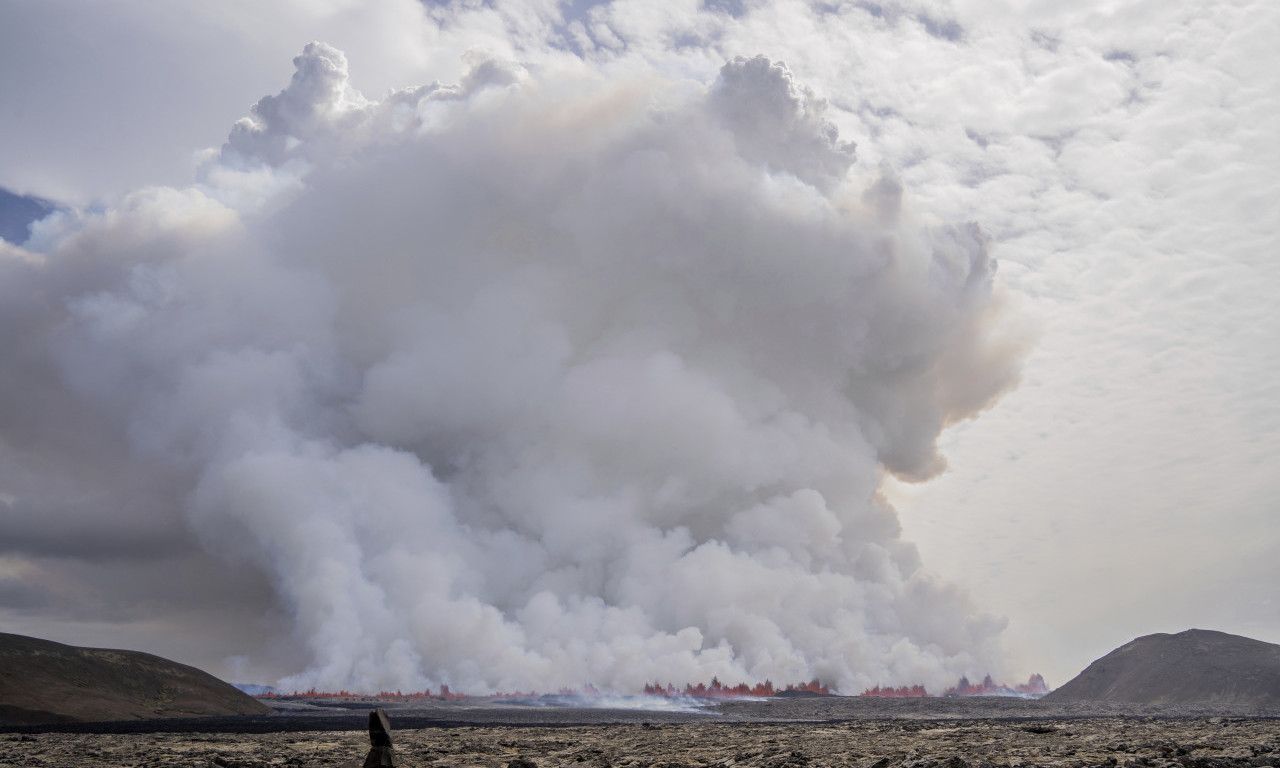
[[529, 344]]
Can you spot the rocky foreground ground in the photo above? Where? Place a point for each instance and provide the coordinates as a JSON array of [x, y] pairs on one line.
[[920, 737]]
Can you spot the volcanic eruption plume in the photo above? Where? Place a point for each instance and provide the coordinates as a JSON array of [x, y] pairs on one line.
[[539, 380]]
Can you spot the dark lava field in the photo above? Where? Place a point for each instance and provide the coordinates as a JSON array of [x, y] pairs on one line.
[[799, 733]]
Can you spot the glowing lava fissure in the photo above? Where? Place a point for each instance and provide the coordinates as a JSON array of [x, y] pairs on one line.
[[714, 690], [1035, 686], [717, 690]]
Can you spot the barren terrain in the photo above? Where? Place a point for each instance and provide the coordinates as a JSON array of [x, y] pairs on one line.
[[810, 733], [42, 682]]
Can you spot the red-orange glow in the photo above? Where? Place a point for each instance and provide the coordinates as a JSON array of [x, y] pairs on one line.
[[714, 690], [718, 690], [987, 687], [903, 692]]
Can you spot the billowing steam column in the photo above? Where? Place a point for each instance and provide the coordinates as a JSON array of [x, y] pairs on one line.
[[381, 753], [613, 407]]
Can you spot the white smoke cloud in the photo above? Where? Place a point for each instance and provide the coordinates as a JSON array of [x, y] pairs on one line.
[[538, 380], [780, 123]]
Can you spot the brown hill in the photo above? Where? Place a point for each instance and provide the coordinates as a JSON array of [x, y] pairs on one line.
[[1198, 666], [46, 682]]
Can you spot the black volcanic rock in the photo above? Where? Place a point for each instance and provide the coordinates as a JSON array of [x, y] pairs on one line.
[[46, 682], [1194, 667], [381, 753]]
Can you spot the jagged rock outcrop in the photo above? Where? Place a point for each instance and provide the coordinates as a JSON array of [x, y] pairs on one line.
[[46, 682], [381, 753], [1194, 667]]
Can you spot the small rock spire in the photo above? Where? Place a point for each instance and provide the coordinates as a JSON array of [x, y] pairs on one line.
[[381, 753]]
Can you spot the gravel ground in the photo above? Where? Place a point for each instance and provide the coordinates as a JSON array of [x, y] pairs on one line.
[[809, 733]]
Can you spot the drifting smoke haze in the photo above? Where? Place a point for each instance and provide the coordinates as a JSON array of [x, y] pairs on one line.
[[540, 379]]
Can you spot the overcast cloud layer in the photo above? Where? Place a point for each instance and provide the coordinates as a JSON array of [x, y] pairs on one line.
[[590, 363]]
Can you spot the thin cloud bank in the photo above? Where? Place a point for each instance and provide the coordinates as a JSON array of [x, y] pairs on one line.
[[541, 379]]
